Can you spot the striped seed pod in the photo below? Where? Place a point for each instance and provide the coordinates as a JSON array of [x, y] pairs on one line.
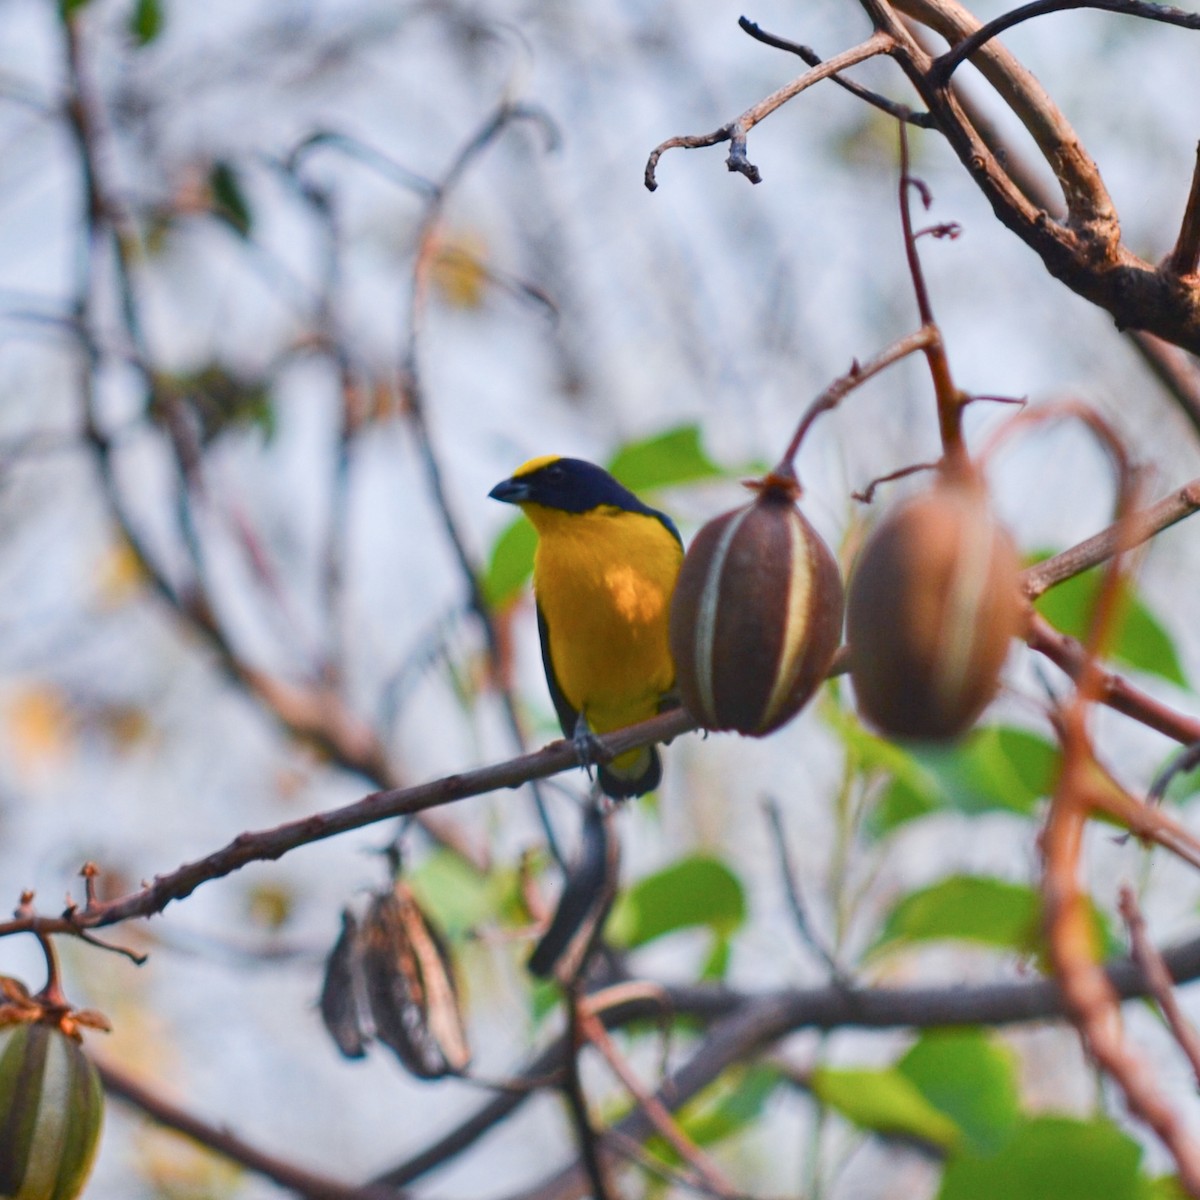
[[409, 985], [933, 604], [51, 1110], [757, 614]]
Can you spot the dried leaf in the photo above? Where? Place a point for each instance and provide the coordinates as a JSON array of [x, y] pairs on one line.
[[583, 906], [339, 992]]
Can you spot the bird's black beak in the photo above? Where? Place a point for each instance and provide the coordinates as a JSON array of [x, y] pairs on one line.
[[511, 491]]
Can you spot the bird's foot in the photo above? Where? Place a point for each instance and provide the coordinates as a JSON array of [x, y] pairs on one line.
[[587, 748]]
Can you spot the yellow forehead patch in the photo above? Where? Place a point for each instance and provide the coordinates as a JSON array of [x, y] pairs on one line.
[[535, 464]]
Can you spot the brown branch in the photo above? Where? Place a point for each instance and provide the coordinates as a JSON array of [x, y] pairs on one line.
[[841, 387], [1113, 690], [1085, 251], [560, 756], [125, 1087], [657, 1112], [1158, 979], [947, 63], [269, 844], [1138, 528], [760, 1020], [1088, 995], [1185, 258], [735, 131], [900, 111]]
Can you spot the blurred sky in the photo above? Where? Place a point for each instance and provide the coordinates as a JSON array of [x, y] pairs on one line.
[[710, 301]]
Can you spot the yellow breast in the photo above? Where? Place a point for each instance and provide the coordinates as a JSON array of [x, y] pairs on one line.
[[603, 581]]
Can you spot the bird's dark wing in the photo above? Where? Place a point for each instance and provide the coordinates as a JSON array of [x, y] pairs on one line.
[[568, 718], [636, 779]]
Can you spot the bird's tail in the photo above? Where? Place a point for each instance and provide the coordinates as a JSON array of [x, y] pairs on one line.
[[631, 774]]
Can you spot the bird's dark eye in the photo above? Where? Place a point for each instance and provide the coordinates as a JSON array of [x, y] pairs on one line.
[[555, 473]]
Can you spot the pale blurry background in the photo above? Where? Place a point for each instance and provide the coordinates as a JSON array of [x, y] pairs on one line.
[[709, 302]]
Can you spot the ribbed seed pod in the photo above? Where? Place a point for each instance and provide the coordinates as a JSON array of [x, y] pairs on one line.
[[756, 616], [51, 1110], [410, 988], [933, 604]]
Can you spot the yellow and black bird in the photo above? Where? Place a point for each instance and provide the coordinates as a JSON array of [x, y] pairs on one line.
[[603, 574]]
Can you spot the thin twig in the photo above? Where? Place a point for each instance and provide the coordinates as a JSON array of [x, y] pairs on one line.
[[1158, 979], [1175, 369], [945, 66], [900, 111], [1087, 993], [791, 886], [1138, 528], [664, 1125], [576, 1097], [1184, 761], [949, 399], [735, 131], [505, 114], [841, 387], [1114, 691]]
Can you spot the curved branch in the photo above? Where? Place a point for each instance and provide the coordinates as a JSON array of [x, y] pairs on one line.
[[944, 67], [735, 132]]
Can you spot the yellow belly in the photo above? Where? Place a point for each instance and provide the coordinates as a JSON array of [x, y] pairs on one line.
[[603, 581]]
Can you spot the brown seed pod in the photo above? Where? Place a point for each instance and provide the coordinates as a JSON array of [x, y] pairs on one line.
[[933, 603], [409, 983], [756, 616]]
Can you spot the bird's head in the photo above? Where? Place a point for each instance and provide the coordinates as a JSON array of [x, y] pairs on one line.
[[566, 484]]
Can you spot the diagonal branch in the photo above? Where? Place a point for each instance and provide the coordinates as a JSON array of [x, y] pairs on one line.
[[735, 131]]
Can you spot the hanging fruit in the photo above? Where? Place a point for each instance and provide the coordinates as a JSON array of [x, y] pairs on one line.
[[757, 614], [933, 602]]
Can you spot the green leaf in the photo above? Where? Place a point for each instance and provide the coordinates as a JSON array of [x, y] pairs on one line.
[[722, 1110], [229, 202], [971, 1076], [511, 563], [965, 908], [67, 8], [693, 892], [885, 1101], [1050, 1158], [664, 460], [146, 21], [717, 966], [1163, 1187], [459, 896], [1141, 641], [996, 769], [975, 908]]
